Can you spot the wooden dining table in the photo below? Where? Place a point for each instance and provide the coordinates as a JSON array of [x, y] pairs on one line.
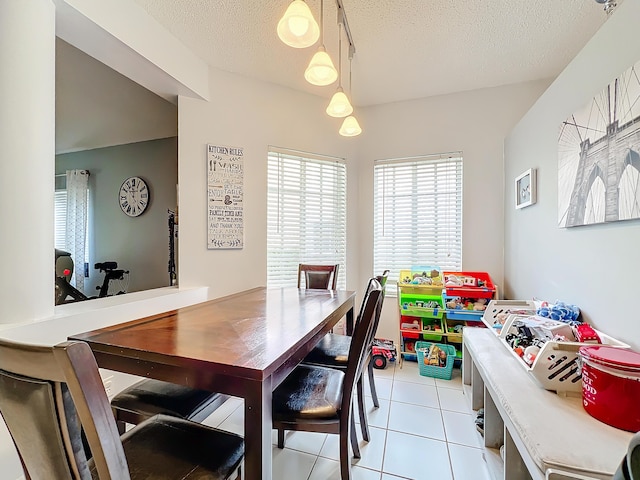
[[242, 345]]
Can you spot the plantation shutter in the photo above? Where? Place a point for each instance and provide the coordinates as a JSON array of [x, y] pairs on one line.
[[60, 216], [306, 214], [418, 214]]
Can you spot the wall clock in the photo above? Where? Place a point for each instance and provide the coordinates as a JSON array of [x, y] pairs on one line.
[[134, 196]]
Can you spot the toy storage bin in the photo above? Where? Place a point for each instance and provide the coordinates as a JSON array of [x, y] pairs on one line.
[[434, 273], [462, 313], [449, 328], [410, 305], [556, 364], [434, 371], [408, 346], [432, 329], [488, 290], [502, 309]]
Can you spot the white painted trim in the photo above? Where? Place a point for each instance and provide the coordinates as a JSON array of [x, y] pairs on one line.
[[120, 34], [81, 317]]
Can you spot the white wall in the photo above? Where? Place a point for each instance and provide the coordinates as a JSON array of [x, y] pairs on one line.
[[475, 123], [253, 115], [594, 267], [98, 107]]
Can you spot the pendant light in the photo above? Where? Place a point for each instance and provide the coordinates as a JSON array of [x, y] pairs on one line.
[[350, 127], [297, 27], [339, 106], [321, 71]]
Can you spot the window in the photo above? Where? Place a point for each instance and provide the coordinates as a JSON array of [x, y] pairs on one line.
[[306, 218], [60, 217], [417, 214], [60, 228]]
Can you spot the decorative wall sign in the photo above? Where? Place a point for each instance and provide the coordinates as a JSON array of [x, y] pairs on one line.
[[225, 219], [599, 156]]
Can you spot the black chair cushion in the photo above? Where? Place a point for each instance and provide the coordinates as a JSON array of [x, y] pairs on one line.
[[309, 392], [169, 448], [151, 397], [332, 351]]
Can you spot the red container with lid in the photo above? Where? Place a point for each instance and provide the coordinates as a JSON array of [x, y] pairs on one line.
[[611, 385]]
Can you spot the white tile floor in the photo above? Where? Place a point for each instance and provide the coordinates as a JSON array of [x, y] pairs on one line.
[[424, 428]]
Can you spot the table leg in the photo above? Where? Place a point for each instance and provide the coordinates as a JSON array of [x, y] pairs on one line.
[[350, 322], [257, 431]]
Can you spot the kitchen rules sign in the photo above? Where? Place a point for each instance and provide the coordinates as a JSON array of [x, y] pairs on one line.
[[225, 176]]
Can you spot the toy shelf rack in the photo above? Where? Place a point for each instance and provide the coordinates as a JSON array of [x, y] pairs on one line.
[[423, 311]]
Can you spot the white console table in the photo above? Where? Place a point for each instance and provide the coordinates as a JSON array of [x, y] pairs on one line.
[[545, 436]]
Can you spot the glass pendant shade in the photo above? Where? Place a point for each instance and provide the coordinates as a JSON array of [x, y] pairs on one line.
[[321, 71], [350, 127], [297, 27], [339, 106]]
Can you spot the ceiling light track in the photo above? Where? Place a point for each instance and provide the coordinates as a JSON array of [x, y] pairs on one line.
[[609, 5], [342, 19]]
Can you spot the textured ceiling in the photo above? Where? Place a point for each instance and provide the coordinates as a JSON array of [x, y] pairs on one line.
[[405, 49]]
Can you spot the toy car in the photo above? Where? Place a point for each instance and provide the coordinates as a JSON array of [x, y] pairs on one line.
[[382, 351]]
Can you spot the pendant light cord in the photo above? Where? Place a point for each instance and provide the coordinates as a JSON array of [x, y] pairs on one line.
[[340, 55], [350, 58], [322, 22]]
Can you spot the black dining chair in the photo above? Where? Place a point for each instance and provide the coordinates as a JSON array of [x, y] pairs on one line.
[[51, 396], [323, 277], [320, 399], [333, 351]]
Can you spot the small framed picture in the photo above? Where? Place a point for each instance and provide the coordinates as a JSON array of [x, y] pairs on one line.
[[526, 188]]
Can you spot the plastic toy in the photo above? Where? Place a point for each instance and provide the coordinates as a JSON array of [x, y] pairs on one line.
[[586, 334], [442, 358], [561, 311], [382, 351]]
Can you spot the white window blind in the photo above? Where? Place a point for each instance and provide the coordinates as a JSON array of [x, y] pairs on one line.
[[418, 214], [307, 211], [60, 215]]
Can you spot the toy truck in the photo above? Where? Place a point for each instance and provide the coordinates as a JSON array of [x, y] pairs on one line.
[[382, 351]]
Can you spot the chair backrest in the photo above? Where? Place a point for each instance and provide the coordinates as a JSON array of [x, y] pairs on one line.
[[382, 279], [361, 340], [46, 395], [322, 277]]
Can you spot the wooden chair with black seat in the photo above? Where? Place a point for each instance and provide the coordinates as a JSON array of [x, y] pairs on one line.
[[333, 351], [320, 399], [50, 396], [322, 277]]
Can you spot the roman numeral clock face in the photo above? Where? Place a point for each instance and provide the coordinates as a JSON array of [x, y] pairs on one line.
[[134, 196]]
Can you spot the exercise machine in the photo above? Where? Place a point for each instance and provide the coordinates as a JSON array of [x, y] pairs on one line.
[[67, 293]]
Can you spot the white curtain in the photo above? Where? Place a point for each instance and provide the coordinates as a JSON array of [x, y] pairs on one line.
[[77, 185]]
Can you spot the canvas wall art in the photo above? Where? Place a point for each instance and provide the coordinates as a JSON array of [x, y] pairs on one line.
[[599, 156]]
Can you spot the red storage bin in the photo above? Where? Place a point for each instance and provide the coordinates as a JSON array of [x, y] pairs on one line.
[[470, 290], [611, 385]]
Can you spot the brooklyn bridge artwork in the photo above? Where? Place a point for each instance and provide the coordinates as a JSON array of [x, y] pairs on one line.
[[599, 156]]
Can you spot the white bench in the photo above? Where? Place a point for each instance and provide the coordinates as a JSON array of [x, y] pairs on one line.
[[545, 436]]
